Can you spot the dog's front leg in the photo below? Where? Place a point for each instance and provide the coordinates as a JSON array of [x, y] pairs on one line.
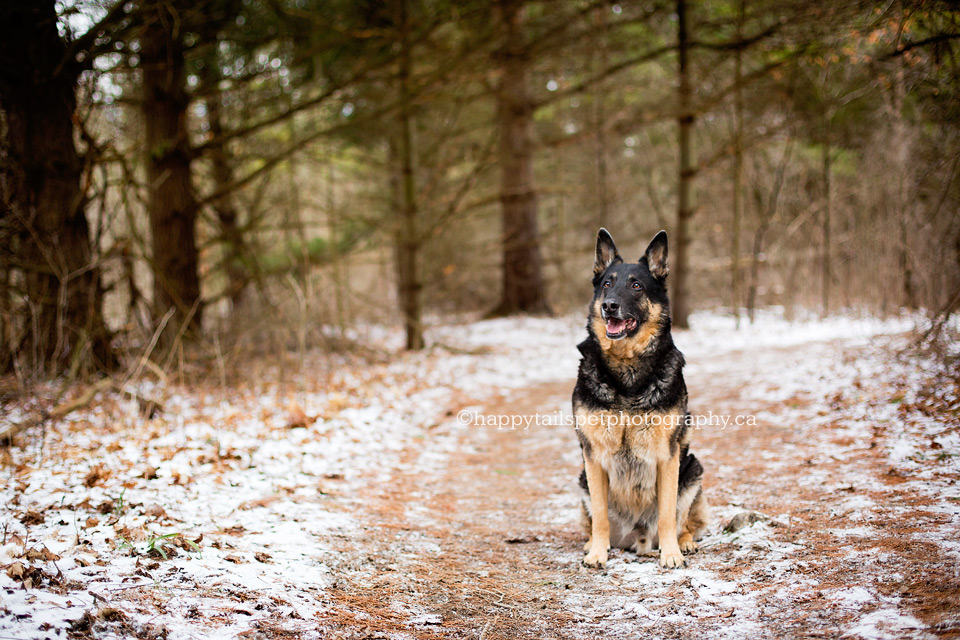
[[598, 484], [668, 472]]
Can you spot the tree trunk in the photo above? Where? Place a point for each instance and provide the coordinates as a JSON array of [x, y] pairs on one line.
[[766, 213], [599, 124], [737, 167], [901, 207], [222, 173], [685, 206], [171, 201], [42, 197], [827, 202], [6, 319], [407, 242], [524, 289]]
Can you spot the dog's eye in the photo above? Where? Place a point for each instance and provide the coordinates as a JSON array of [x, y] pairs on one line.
[[637, 286], [606, 284]]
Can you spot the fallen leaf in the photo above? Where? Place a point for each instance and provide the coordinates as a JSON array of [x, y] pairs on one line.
[[111, 614], [163, 552], [235, 530], [156, 511], [84, 560], [256, 504], [43, 554], [96, 475], [296, 418], [186, 544], [32, 516], [16, 571]]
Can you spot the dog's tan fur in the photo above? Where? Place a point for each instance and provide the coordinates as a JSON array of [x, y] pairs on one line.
[[648, 439]]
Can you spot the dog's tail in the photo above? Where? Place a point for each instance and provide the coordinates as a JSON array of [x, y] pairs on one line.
[[690, 469]]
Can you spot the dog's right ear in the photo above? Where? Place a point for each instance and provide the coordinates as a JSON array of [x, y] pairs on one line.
[[606, 252]]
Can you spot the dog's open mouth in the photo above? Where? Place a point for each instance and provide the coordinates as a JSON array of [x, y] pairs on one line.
[[619, 327]]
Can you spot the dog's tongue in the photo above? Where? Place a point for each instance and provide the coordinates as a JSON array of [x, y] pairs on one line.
[[615, 325]]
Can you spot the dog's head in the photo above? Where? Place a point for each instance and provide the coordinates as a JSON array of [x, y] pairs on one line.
[[630, 299]]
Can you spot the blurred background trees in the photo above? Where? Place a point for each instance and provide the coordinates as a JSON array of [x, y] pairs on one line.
[[235, 176]]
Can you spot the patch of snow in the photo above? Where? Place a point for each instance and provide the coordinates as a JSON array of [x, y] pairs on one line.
[[884, 624], [854, 597]]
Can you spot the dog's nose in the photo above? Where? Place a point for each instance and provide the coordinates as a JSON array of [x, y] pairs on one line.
[[611, 306]]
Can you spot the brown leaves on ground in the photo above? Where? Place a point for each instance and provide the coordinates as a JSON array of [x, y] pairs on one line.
[[16, 570], [235, 530], [97, 474], [42, 554], [32, 516], [296, 418], [28, 570]]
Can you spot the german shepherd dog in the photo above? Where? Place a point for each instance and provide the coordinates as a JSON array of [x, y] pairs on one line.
[[641, 484]]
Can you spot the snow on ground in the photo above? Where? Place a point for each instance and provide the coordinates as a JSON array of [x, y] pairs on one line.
[[232, 508]]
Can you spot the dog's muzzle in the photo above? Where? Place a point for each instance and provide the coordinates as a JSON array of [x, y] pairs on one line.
[[618, 328]]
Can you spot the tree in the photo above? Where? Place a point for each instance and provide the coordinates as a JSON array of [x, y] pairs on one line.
[[172, 204], [62, 326], [407, 245], [894, 104], [524, 289], [685, 205], [737, 165], [210, 75]]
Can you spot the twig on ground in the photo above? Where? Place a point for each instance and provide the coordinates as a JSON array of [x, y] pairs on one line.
[[151, 346], [487, 627]]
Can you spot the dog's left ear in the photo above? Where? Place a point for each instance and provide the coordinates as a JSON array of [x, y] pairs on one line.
[[656, 256]]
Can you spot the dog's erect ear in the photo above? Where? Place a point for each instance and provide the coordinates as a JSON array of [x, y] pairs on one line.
[[606, 252], [656, 256]]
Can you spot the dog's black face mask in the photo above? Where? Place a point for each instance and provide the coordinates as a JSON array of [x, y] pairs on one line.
[[625, 294]]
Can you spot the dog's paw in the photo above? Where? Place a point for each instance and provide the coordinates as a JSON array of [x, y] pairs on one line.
[[687, 545], [596, 559], [671, 559]]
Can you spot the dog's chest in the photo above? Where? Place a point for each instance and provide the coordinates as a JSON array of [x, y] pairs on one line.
[[617, 437]]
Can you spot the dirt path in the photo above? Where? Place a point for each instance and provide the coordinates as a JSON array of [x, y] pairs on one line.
[[476, 535]]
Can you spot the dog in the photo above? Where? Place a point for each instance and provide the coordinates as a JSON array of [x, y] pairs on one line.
[[642, 486]]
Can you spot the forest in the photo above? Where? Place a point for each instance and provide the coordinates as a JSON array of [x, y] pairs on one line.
[[261, 257], [240, 171]]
